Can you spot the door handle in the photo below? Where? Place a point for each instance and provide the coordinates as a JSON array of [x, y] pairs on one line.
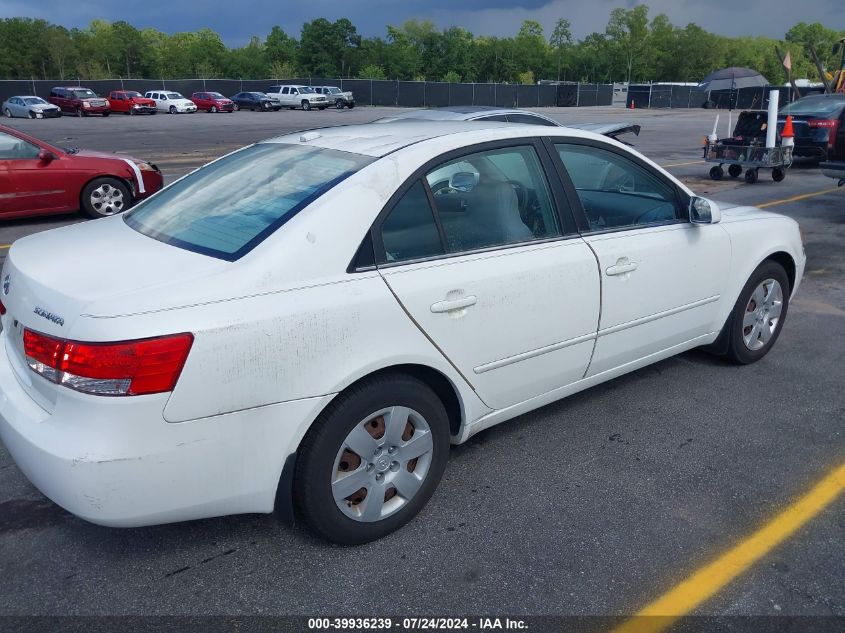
[[452, 305], [623, 265]]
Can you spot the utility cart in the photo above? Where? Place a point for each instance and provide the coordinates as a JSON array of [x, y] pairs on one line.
[[746, 150]]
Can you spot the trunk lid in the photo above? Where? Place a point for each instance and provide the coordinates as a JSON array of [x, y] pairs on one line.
[[51, 280]]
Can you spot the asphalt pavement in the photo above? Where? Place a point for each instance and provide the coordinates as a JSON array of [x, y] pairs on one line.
[[595, 505]]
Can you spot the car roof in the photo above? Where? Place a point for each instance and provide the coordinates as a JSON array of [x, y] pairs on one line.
[[24, 97], [459, 113], [377, 139]]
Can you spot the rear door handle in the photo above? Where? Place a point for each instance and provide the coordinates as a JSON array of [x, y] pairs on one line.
[[623, 265], [452, 305]]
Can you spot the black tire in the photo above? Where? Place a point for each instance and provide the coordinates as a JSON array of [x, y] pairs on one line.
[[339, 104], [236, 107], [322, 107], [130, 111], [737, 351], [265, 106], [735, 171], [750, 176], [80, 112], [7, 113], [85, 198], [778, 174], [105, 114], [306, 105], [154, 111], [172, 109], [312, 491], [716, 173], [350, 106]]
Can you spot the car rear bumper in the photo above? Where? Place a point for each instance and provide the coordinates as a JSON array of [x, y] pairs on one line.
[[807, 149], [117, 462]]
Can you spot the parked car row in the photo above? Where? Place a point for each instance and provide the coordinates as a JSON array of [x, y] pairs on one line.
[[84, 101]]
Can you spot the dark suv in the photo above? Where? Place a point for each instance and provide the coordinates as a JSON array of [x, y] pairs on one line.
[[79, 101]]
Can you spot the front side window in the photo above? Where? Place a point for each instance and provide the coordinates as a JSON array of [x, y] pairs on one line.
[[615, 192], [14, 148], [493, 198], [285, 90], [228, 207]]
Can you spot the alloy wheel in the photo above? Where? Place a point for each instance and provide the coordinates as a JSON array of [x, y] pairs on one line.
[[107, 199], [382, 464], [762, 314]]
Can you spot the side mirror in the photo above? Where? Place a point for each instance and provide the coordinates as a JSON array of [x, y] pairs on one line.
[[462, 181], [45, 156], [703, 211]]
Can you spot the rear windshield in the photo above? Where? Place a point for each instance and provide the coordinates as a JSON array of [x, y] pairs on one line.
[[230, 206], [817, 107]]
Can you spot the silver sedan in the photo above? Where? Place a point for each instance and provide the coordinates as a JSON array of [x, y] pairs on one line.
[[30, 106]]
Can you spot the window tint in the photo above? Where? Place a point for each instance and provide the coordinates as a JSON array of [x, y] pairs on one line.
[[531, 120], [493, 198], [228, 207], [13, 148], [285, 91], [616, 192], [409, 231], [495, 117]]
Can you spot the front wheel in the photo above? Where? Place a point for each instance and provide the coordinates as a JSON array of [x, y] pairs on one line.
[[236, 107], [758, 315], [339, 104], [778, 174], [103, 197], [212, 109], [716, 172], [172, 109], [751, 176], [306, 105], [372, 459]]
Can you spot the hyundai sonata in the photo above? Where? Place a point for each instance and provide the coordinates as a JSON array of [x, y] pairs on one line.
[[310, 321]]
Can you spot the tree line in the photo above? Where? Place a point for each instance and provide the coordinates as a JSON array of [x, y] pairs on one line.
[[633, 47]]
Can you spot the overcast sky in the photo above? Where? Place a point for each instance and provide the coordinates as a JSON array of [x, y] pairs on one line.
[[237, 21]]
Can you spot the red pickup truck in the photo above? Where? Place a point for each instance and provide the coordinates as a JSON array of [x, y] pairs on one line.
[[79, 101], [131, 102]]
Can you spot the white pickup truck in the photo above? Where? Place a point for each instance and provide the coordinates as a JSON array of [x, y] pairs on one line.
[[294, 97]]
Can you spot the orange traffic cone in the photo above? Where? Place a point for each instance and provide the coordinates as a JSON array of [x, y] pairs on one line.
[[788, 132], [633, 104]]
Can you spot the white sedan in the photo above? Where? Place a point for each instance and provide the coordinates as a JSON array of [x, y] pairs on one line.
[[314, 318]]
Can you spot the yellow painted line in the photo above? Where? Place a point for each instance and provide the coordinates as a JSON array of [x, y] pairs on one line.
[[5, 246], [803, 196], [692, 162], [710, 579]]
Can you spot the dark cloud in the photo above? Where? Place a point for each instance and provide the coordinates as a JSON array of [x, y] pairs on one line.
[[237, 21]]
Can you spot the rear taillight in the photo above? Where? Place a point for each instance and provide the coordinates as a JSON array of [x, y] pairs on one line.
[[2, 309], [822, 123], [826, 124], [128, 368]]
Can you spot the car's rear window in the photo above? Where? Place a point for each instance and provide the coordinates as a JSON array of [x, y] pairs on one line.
[[816, 107], [230, 206]]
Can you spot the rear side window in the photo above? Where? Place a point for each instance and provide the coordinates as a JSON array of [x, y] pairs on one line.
[[529, 119], [230, 206], [409, 231]]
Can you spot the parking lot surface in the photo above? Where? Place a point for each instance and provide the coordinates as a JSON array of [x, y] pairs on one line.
[[597, 504]]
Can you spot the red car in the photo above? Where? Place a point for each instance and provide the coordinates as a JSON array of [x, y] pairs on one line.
[[131, 102], [212, 102], [38, 179], [79, 101]]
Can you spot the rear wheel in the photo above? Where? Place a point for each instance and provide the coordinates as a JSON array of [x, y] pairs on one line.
[[716, 172], [106, 196], [751, 176], [735, 171], [372, 459], [758, 314], [778, 174], [7, 113]]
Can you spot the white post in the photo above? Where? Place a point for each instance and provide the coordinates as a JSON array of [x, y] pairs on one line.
[[772, 120]]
